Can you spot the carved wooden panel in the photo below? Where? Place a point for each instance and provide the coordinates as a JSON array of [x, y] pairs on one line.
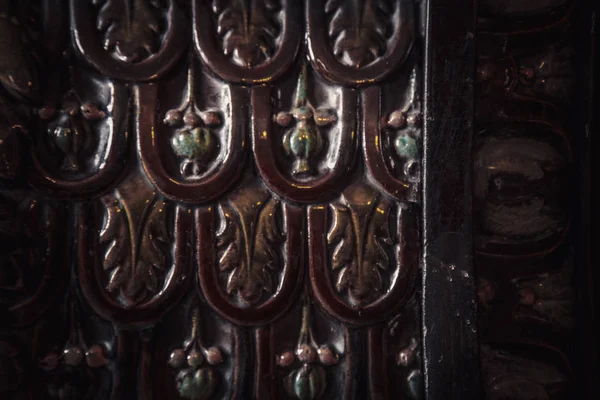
[[271, 199], [211, 199], [526, 179]]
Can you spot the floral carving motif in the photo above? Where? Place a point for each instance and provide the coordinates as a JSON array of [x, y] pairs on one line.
[[194, 140], [359, 236], [132, 28], [136, 233], [406, 123], [248, 29], [195, 379], [304, 140], [70, 367], [359, 29], [308, 381], [70, 130], [248, 243]]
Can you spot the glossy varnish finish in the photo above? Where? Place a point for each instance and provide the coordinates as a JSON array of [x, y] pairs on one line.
[[218, 199], [280, 199]]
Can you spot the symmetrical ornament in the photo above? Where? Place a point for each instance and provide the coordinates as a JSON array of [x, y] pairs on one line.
[[197, 378], [304, 140], [177, 158], [360, 241], [309, 380], [70, 368], [249, 243], [136, 244], [359, 30], [70, 131], [194, 140], [248, 30], [131, 29]]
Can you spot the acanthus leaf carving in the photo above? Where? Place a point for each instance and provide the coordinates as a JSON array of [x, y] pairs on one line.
[[359, 30], [131, 28], [359, 233], [248, 30], [137, 237], [248, 244]]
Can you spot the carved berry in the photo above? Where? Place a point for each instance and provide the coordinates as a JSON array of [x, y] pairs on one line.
[[73, 356], [285, 359], [211, 118], [177, 358], [397, 120], [406, 146], [324, 117], [195, 359], [172, 117], [49, 362], [283, 118], [214, 356], [306, 353], [327, 356], [192, 119], [95, 357]]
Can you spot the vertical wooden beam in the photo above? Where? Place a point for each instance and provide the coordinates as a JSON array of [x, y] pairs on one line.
[[450, 347]]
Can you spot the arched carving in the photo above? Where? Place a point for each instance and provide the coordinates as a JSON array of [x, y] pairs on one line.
[[359, 42], [131, 48], [241, 55], [356, 253], [274, 133], [260, 284]]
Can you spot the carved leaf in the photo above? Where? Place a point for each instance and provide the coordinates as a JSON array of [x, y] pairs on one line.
[[250, 274], [116, 233], [378, 235], [360, 233], [131, 28], [266, 255], [341, 232], [131, 272], [359, 29], [154, 252], [229, 240], [248, 29]]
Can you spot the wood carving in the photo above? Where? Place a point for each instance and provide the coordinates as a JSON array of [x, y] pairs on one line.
[[249, 30], [248, 241], [283, 199]]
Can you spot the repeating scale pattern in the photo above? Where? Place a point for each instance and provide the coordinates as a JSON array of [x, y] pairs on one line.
[[227, 199], [199, 185]]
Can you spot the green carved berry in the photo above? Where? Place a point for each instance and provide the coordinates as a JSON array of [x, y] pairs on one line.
[[406, 146], [303, 113], [197, 143], [308, 383], [198, 386], [303, 142]]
